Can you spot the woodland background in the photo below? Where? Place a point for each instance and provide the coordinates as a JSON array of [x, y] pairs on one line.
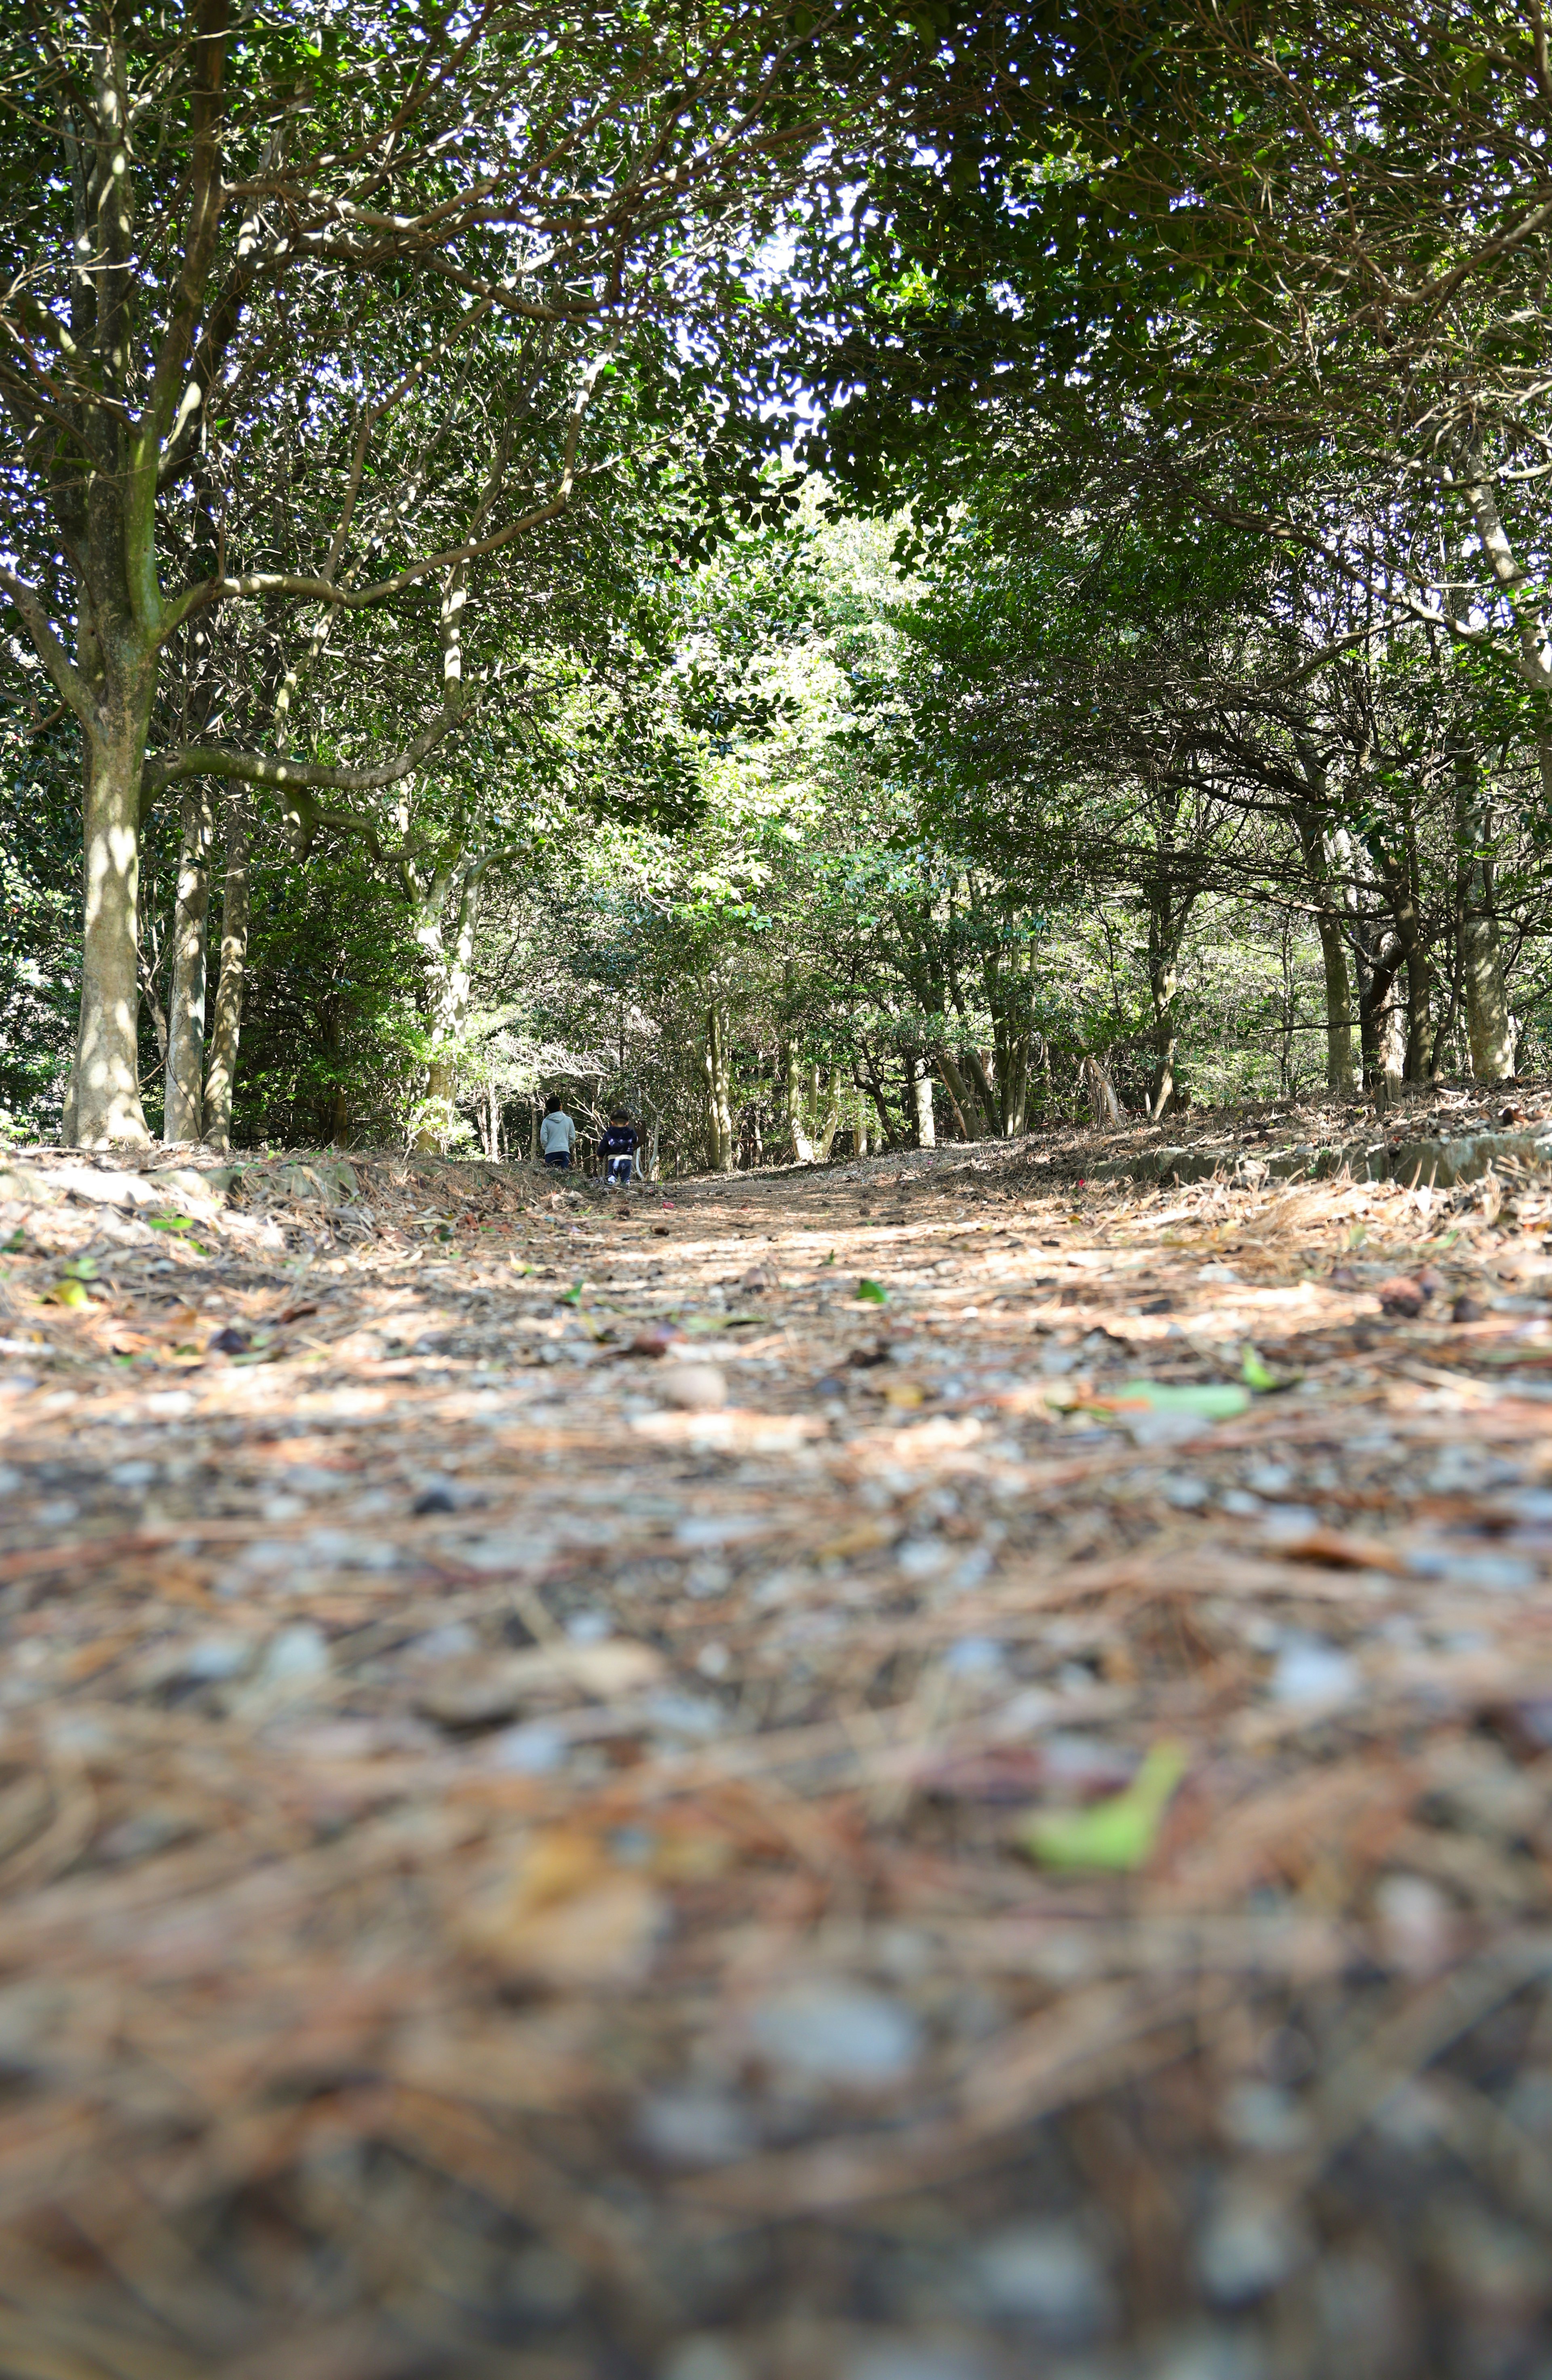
[[1036, 602]]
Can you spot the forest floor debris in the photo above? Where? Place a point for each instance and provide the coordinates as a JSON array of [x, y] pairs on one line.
[[578, 1797]]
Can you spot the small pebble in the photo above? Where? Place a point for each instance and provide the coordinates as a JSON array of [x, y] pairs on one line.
[[974, 1657], [1046, 2273], [1261, 2116], [298, 1652], [839, 2033], [534, 1749], [920, 1558], [1309, 1670], [907, 2359], [693, 1388], [1415, 1922], [706, 2358], [690, 2128], [210, 1659], [1185, 1493], [1251, 2245]]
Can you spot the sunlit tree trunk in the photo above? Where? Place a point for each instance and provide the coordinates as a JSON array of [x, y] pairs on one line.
[[797, 1120], [1488, 1031], [1320, 852], [106, 1090], [221, 1080], [186, 1030], [959, 1093], [718, 1077], [449, 957], [921, 1096]]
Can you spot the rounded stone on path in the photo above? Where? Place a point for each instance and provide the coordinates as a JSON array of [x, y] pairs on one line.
[[1252, 2244], [839, 2033], [1415, 1922], [909, 2358], [296, 1653], [1047, 2273], [694, 1388], [695, 2128], [706, 2358]]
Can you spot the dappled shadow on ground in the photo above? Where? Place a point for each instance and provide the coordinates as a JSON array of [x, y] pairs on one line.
[[911, 1773]]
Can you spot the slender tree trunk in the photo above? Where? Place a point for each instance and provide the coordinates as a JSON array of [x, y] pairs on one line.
[[1390, 1029], [1330, 920], [991, 1105], [797, 1122], [450, 967], [221, 1081], [719, 1111], [1488, 1031], [1324, 851], [1104, 1106], [105, 1103], [186, 1032], [959, 1094], [1340, 1078], [921, 1096]]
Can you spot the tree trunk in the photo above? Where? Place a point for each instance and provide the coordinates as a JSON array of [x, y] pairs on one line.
[[921, 1094], [959, 1093], [186, 1032], [450, 967], [1104, 1106], [797, 1122], [985, 1090], [104, 1102], [1488, 1032], [221, 1081], [1339, 1078], [1390, 1031], [1323, 850], [719, 1110]]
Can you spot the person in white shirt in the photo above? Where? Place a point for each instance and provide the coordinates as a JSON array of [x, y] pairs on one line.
[[557, 1137]]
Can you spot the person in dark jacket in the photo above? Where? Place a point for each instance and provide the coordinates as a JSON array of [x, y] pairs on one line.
[[618, 1149]]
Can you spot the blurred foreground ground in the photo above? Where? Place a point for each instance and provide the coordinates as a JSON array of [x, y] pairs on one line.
[[551, 1754]]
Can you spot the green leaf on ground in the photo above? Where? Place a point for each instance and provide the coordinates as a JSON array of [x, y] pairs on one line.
[[1119, 1833], [1254, 1373], [1209, 1400], [871, 1292], [81, 1268], [171, 1222], [69, 1292]]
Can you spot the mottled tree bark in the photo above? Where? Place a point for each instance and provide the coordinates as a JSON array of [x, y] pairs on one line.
[[186, 1029], [221, 1081]]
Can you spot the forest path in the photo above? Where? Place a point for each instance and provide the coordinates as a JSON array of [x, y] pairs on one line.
[[571, 1795]]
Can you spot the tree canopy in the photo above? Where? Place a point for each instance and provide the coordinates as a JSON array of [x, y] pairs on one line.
[[836, 571]]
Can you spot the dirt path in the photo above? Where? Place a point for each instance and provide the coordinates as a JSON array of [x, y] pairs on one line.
[[578, 1799]]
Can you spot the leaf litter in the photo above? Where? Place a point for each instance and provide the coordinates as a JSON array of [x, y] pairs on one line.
[[572, 1801]]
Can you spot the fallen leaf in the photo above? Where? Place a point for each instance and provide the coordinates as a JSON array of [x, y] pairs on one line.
[[1209, 1400], [569, 1915], [1119, 1833], [871, 1292]]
